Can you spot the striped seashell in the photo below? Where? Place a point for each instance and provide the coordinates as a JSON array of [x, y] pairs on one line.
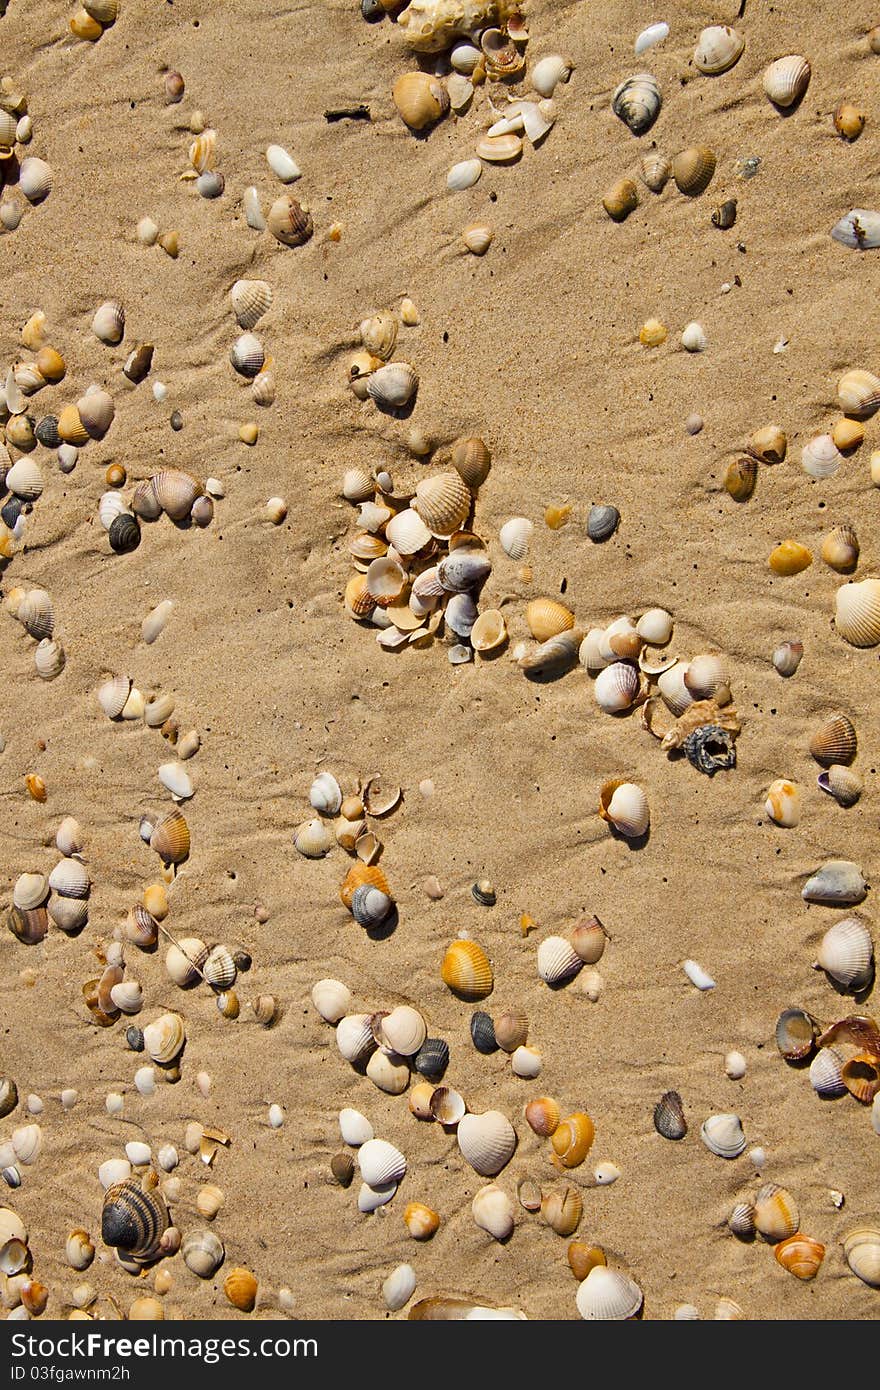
[[289, 221], [176, 492], [471, 459], [70, 879], [379, 334], [846, 953], [113, 694], [264, 386], [144, 502], [558, 961], [515, 536], [820, 457], [380, 1162], [360, 874], [393, 386], [219, 968], [487, 1141], [370, 907], [251, 299], [547, 617], [718, 48], [800, 1255], [858, 393], [669, 1118], [843, 783], [572, 1140], [354, 1037], [108, 323], [28, 927], [203, 151], [69, 914], [203, 1253], [29, 891], [432, 1058], [96, 410], [141, 928], [861, 1250], [741, 1220], [625, 806], [407, 532], [111, 505], [826, 1073], [857, 612], [607, 1295], [656, 171], [617, 687], [466, 970], [49, 659], [786, 79], [247, 355], [35, 179], [164, 1038], [835, 741], [133, 1220], [693, 169], [636, 101], [776, 1214], [443, 501], [36, 613], [124, 534], [170, 838], [25, 479], [314, 838]]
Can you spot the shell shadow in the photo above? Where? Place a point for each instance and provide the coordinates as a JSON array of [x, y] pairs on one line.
[[386, 928]]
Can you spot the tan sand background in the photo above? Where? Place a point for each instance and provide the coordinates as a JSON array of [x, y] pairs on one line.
[[535, 347]]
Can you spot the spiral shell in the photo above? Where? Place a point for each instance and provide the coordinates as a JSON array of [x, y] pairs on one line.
[[572, 1139], [133, 1220], [636, 101], [786, 79], [466, 970]]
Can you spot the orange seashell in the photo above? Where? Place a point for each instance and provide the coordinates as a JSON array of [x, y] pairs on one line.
[[790, 557], [800, 1255], [546, 618], [466, 970], [240, 1287], [420, 1221], [573, 1139], [861, 1077], [542, 1116], [582, 1258], [360, 874], [36, 786], [358, 599]]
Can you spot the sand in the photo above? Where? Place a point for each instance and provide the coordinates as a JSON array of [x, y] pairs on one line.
[[534, 347]]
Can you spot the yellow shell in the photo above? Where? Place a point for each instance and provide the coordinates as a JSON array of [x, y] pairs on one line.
[[50, 364], [740, 477], [692, 169], [203, 151], [443, 501], [466, 970], [542, 1115], [847, 434], [71, 428], [358, 599], [170, 838], [240, 1287], [790, 557], [652, 333], [562, 1210], [849, 121], [420, 98], [360, 874], [573, 1139], [800, 1255], [84, 27], [582, 1258], [546, 618], [621, 199], [420, 1221]]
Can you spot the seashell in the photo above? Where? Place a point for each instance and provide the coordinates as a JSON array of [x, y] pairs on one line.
[[325, 794], [483, 1033], [463, 569], [857, 613], [783, 803], [218, 968], [861, 1250], [203, 151], [820, 457], [558, 961], [443, 501], [359, 602], [621, 199], [776, 1215], [588, 939], [478, 237], [465, 57], [846, 953], [542, 1115], [35, 179], [420, 1221], [108, 323], [572, 1139], [170, 838], [554, 657], [606, 1295], [354, 1037], [466, 970], [842, 783], [786, 79], [251, 299], [26, 1142], [499, 149], [787, 657], [141, 928], [407, 532], [371, 907], [164, 1038], [673, 690], [489, 631], [79, 1249], [693, 169], [432, 1058], [399, 1287], [718, 48], [789, 557], [723, 1135], [693, 338], [582, 1258], [203, 1252], [144, 502], [388, 1072], [421, 99], [849, 121], [133, 1220], [379, 334], [795, 1034], [655, 627], [526, 1062], [503, 58], [837, 881], [247, 355], [362, 873], [124, 533], [840, 549], [111, 505], [96, 411], [252, 211], [669, 1117], [835, 741], [25, 479], [826, 1073], [741, 1220], [282, 164], [602, 522], [70, 879], [380, 1162], [492, 1210], [511, 1029], [800, 1255], [393, 386], [656, 170], [290, 222], [403, 1029], [175, 492], [104, 11], [515, 536], [127, 997], [625, 806], [8, 1096], [28, 927], [138, 363], [370, 1198], [463, 175], [548, 72], [617, 687], [471, 459], [636, 101], [546, 618], [30, 891], [354, 1127], [240, 1287], [858, 393], [313, 839], [486, 1141]]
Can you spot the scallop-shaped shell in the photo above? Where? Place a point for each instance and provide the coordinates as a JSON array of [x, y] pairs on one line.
[[554, 657], [776, 1213], [826, 1073], [741, 1220], [432, 1058], [800, 1255], [331, 998], [35, 180], [96, 410], [380, 1162], [219, 968], [861, 1249], [515, 536], [786, 79], [511, 1029], [543, 1115], [656, 170], [403, 1030], [421, 99], [251, 299], [164, 1038], [718, 48], [837, 881], [783, 803], [466, 970], [133, 1220], [170, 838], [289, 221], [840, 549], [141, 928], [25, 479], [621, 199], [176, 492], [820, 457], [144, 502], [637, 102], [407, 532], [558, 961], [203, 1253], [70, 879], [314, 838], [858, 392], [607, 1295], [26, 1142], [625, 806], [470, 457], [354, 1037], [37, 614], [443, 501], [548, 72], [723, 1135], [247, 355], [787, 657], [371, 907], [393, 386], [463, 569], [572, 1139], [795, 1034], [325, 794], [486, 1141], [483, 1033], [111, 505], [857, 613], [30, 890], [489, 632], [669, 1119], [835, 741], [843, 783], [108, 323], [547, 617], [357, 485], [113, 694], [617, 687], [492, 1210], [846, 953], [240, 1287], [673, 690], [693, 169]]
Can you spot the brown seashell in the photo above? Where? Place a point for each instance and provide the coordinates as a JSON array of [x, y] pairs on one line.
[[542, 1115], [176, 491], [800, 1255], [170, 838], [359, 602], [621, 199], [443, 501], [768, 444], [582, 1258], [471, 459], [589, 938], [141, 928], [466, 970], [740, 477], [692, 169], [563, 1210], [840, 549], [861, 1076], [421, 99], [573, 1139], [240, 1287], [546, 618], [289, 221], [835, 742], [855, 1029], [511, 1029]]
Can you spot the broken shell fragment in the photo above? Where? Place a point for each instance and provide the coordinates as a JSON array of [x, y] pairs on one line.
[[838, 881]]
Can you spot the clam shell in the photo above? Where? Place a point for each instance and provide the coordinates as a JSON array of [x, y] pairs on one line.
[[840, 549], [607, 1295], [25, 479], [673, 689], [35, 180], [783, 803], [421, 99], [113, 694], [463, 570], [447, 1106], [842, 783], [111, 505], [443, 501], [861, 1250], [164, 1038], [858, 393], [486, 1141], [723, 1135], [461, 614], [380, 1162], [617, 687], [625, 806], [393, 386], [669, 1117], [826, 1073], [499, 149], [29, 891], [621, 199], [820, 457], [203, 1253], [466, 970], [26, 1142], [370, 1198], [379, 334], [857, 615], [800, 1255], [835, 741], [553, 658], [108, 323], [388, 1072], [354, 1128], [489, 632], [175, 492], [133, 1220], [170, 838], [290, 222], [786, 79], [463, 175], [470, 457], [251, 299], [184, 960], [795, 1034], [787, 657], [359, 874], [656, 171], [407, 532], [776, 1213], [837, 881], [636, 101], [511, 1029], [282, 164], [219, 968], [70, 879], [29, 927], [718, 48], [558, 961], [403, 1030], [693, 169], [602, 522], [49, 659], [492, 1211], [547, 617], [354, 1037], [144, 502], [549, 71], [846, 953], [314, 838], [331, 998]]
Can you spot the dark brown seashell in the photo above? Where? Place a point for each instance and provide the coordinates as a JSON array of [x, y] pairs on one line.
[[432, 1058], [724, 215], [669, 1117], [834, 742], [133, 1220], [342, 1167], [125, 534], [29, 926], [483, 1033], [8, 1096], [139, 362]]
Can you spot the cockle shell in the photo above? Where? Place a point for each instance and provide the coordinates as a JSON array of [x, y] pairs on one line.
[[170, 838], [669, 1119], [379, 334], [617, 687], [371, 907], [843, 783], [289, 221], [388, 1072], [314, 838], [800, 1255], [443, 501], [466, 970], [515, 536], [718, 48], [835, 741], [826, 1073], [542, 1115], [403, 1030], [492, 1210], [837, 881], [795, 1034], [354, 1038], [547, 617], [857, 615], [26, 1142], [608, 1295], [786, 79], [134, 1220], [354, 1127], [723, 1135], [787, 657], [470, 457], [251, 299], [108, 323], [861, 1249], [421, 99], [70, 879], [393, 386], [625, 806], [407, 532], [175, 492], [35, 179], [486, 1141], [693, 169], [558, 961], [113, 694], [489, 631], [820, 457], [840, 549], [656, 170], [463, 570], [96, 410], [380, 1162], [846, 953], [776, 1214], [572, 1139], [25, 479], [247, 355], [331, 998], [636, 101], [858, 393]]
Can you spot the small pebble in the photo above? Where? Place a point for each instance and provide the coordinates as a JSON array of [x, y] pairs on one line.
[[433, 888], [261, 912], [176, 420], [203, 1081], [115, 475], [276, 1116], [35, 1105], [160, 391]]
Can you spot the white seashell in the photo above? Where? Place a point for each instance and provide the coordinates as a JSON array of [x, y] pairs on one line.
[[68, 837], [247, 355], [826, 1073], [155, 621], [177, 780], [128, 996], [314, 838], [735, 1066], [399, 1287], [112, 1171], [786, 79], [783, 802], [838, 881], [617, 687], [393, 386], [526, 1062], [251, 299], [112, 505], [25, 479], [861, 1249], [515, 536], [369, 1198], [145, 1081], [275, 1117], [331, 998], [693, 338], [407, 532], [109, 322], [536, 118], [354, 1127], [465, 57], [113, 695], [138, 1154], [380, 1162], [846, 953], [718, 48], [492, 1210], [253, 213], [30, 891], [147, 231], [26, 1142], [820, 457], [35, 179], [723, 1135], [686, 1312], [859, 229], [463, 175], [557, 960], [698, 977], [388, 1072], [606, 1173], [282, 164], [70, 879], [49, 659], [857, 612], [486, 1141], [627, 810], [548, 72], [673, 690], [655, 33], [404, 1030], [325, 794], [354, 1037], [655, 627], [607, 1295]]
